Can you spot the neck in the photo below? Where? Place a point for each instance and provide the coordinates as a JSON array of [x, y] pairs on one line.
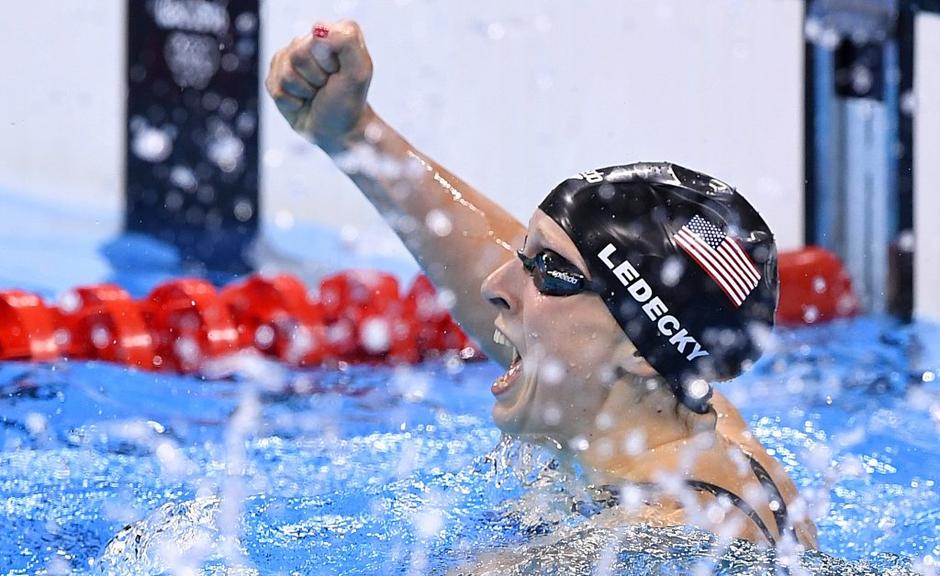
[[637, 428]]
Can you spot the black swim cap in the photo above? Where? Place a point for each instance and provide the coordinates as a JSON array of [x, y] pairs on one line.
[[686, 265]]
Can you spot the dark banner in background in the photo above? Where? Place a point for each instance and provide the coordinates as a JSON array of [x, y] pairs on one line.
[[192, 172]]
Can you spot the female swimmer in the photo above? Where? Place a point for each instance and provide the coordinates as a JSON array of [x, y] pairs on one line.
[[632, 289]]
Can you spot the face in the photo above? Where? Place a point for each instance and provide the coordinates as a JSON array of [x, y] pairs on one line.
[[565, 345]]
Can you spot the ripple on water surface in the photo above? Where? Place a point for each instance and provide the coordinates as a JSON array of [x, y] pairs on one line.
[[380, 471]]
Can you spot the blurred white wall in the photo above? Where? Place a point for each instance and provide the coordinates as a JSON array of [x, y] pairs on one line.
[[927, 165], [61, 102], [511, 96], [516, 96]]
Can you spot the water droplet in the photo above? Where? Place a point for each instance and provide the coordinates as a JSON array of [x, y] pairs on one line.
[[69, 302], [35, 423], [243, 210], [810, 314], [634, 443], [375, 335], [152, 144], [438, 223], [579, 444], [819, 458], [818, 33], [173, 201], [906, 241], [819, 284], [229, 107], [446, 299], [246, 22], [186, 350], [59, 565], [552, 371], [183, 178], [428, 522], [553, 415], [192, 58], [100, 337], [794, 385], [698, 389], [224, 149], [412, 384], [264, 336], [908, 103], [211, 101], [454, 364], [230, 62], [373, 132], [862, 79], [672, 271], [246, 123], [62, 337]]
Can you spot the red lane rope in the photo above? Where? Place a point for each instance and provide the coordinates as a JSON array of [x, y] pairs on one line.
[[358, 316], [814, 287]]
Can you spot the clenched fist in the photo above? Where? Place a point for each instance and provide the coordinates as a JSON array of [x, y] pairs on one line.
[[319, 83]]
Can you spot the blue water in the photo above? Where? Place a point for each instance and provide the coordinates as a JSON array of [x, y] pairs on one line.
[[257, 469]]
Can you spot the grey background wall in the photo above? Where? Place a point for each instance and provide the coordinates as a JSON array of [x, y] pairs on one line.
[[512, 96], [61, 108], [516, 96]]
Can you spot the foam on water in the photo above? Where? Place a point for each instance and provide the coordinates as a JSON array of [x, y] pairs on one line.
[[400, 471]]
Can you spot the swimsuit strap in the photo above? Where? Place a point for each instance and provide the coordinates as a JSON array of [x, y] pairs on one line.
[[763, 476], [737, 501], [780, 514], [701, 486]]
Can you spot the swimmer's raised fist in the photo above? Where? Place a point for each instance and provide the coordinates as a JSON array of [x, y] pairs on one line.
[[319, 83]]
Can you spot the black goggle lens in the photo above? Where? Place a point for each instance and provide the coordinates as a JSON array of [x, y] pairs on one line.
[[553, 275]]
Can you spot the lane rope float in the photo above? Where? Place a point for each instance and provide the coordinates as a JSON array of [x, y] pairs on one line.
[[355, 316]]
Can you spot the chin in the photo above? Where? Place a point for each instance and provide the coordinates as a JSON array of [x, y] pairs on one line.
[[523, 425], [507, 420]]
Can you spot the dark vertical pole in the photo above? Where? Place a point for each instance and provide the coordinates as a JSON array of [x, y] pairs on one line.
[[901, 288], [192, 172], [809, 135], [875, 37]]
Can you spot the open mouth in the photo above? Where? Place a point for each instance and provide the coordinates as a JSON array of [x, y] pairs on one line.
[[505, 382]]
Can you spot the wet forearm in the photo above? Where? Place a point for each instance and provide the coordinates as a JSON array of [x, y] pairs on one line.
[[457, 234]]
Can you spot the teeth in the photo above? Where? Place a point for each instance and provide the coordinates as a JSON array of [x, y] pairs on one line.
[[502, 340]]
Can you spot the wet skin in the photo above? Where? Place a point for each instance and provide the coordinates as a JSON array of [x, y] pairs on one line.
[[578, 385]]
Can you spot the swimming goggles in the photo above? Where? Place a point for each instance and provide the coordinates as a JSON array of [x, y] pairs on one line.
[[555, 276]]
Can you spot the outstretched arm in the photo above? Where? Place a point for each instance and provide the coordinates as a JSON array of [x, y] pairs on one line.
[[319, 83]]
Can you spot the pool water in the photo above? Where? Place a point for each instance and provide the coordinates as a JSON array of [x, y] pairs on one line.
[[380, 470], [253, 468]]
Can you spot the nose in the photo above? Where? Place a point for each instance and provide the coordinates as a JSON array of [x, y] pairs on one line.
[[498, 287]]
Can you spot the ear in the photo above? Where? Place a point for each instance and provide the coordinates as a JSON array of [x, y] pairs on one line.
[[630, 361]]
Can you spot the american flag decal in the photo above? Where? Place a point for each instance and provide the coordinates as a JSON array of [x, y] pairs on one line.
[[720, 256]]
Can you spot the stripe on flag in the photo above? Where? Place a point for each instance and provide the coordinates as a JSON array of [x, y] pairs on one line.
[[720, 256]]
